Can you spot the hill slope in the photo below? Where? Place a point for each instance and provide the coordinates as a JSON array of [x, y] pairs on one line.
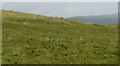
[[100, 19], [35, 39]]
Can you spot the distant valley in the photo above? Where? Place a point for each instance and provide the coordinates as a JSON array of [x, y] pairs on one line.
[[98, 19]]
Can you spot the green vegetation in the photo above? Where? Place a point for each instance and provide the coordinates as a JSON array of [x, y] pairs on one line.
[[35, 39], [0, 37]]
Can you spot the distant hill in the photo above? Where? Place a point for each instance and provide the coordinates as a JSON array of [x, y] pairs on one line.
[[100, 19], [37, 39]]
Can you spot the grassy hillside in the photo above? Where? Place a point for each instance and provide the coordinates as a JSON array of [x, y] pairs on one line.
[[0, 37], [35, 39]]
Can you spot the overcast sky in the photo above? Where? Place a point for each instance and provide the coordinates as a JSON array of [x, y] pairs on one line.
[[63, 9], [59, 0]]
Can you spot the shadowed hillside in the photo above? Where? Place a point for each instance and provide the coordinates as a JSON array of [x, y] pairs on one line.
[[36, 39]]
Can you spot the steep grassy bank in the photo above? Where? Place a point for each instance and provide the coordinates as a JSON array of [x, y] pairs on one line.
[[34, 39]]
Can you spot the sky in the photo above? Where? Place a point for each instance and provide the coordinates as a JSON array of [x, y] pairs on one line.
[[63, 9], [59, 0]]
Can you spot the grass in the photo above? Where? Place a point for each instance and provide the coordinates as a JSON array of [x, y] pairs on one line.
[[0, 37], [36, 39]]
